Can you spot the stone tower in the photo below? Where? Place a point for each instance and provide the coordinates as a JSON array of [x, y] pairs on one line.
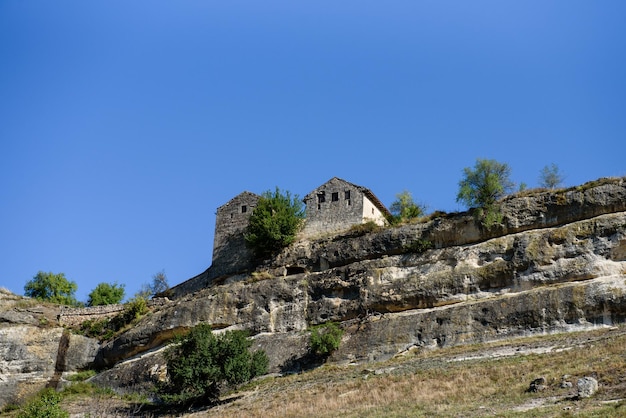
[[231, 220]]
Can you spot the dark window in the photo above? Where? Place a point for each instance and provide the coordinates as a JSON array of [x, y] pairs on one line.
[[321, 197], [335, 197], [347, 194], [244, 209]]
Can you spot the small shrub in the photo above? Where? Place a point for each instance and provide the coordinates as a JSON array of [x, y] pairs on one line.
[[325, 338], [81, 376], [490, 216], [133, 310], [79, 388], [105, 329], [95, 328], [364, 228], [257, 276], [45, 405], [419, 246]]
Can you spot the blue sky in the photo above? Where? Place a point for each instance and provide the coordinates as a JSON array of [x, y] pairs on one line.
[[124, 125]]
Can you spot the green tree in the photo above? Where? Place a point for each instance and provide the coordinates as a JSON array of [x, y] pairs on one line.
[[404, 208], [550, 177], [201, 363], [53, 288], [482, 186], [274, 222], [106, 294]]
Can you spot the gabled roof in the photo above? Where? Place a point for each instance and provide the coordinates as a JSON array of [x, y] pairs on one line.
[[367, 192], [244, 194]]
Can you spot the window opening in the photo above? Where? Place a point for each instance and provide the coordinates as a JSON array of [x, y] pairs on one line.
[[335, 196], [244, 208], [347, 194], [321, 197]]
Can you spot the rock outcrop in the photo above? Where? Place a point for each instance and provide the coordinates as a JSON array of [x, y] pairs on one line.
[[548, 268], [587, 387], [36, 352], [557, 263]]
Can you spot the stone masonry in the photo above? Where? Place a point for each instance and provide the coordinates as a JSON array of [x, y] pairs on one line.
[[337, 205]]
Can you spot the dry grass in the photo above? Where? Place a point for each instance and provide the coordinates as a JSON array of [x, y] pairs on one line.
[[470, 381], [258, 276], [430, 384]]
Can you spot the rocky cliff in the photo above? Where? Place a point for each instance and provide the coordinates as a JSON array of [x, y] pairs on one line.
[[557, 263], [35, 351]]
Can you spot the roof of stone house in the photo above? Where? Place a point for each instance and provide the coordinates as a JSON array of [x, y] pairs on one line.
[[367, 192], [240, 194]]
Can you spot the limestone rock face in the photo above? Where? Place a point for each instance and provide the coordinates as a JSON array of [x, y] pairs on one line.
[[557, 263], [544, 280], [536, 211], [34, 351]]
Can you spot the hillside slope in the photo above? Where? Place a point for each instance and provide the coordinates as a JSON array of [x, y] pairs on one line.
[[556, 264]]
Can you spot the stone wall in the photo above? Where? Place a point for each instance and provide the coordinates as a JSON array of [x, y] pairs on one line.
[[75, 316]]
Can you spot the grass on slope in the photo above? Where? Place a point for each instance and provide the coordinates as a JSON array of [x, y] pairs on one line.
[[470, 381]]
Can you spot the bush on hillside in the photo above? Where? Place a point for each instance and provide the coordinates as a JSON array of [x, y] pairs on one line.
[[201, 363], [45, 405], [325, 338]]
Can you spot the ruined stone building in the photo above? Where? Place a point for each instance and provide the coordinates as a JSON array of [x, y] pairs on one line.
[[332, 207], [231, 220], [337, 205]]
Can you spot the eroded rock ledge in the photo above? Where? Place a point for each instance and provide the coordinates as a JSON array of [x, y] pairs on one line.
[[497, 269], [521, 213]]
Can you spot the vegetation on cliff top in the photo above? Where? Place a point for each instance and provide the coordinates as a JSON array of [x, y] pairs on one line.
[[106, 294], [482, 187], [50, 287], [274, 223]]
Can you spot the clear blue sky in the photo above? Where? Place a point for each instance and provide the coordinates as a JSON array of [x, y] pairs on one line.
[[125, 124]]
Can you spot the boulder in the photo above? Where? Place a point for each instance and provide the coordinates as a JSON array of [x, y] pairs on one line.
[[587, 387], [537, 385]]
